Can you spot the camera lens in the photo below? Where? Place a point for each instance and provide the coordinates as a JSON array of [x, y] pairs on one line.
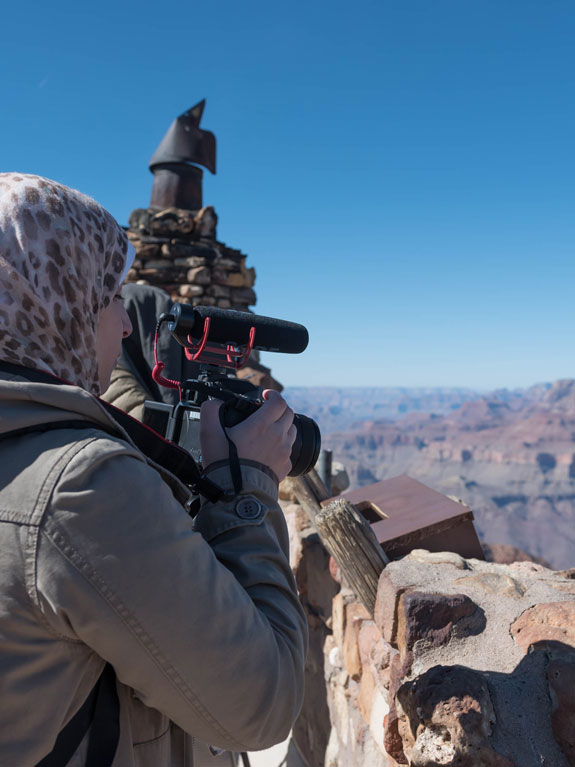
[[305, 449]]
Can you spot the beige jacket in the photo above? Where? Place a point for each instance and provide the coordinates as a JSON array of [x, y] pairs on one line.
[[99, 561], [126, 393]]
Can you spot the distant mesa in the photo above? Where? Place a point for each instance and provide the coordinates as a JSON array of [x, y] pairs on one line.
[[503, 554]]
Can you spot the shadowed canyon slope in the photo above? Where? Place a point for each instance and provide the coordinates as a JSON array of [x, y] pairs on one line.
[[509, 455]]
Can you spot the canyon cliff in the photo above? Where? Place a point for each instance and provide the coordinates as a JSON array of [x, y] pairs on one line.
[[510, 456]]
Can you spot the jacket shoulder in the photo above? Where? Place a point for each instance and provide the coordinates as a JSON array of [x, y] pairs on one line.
[[126, 393], [32, 464]]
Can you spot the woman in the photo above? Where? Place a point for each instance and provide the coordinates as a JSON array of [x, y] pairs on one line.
[[100, 563]]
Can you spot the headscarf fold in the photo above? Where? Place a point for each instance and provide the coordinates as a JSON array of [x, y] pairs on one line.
[[62, 259]]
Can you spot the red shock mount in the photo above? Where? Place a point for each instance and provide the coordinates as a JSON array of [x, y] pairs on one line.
[[228, 356]]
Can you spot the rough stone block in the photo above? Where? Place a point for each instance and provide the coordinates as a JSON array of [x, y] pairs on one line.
[[249, 274], [227, 264], [219, 291], [355, 613], [177, 249], [159, 264], [551, 621], [148, 251], [338, 616], [386, 605], [191, 261], [339, 478], [495, 583], [219, 275], [367, 690], [373, 707], [374, 651], [446, 718], [139, 219], [439, 558], [369, 636], [561, 680], [160, 276], [231, 253], [205, 223], [316, 590], [172, 220], [203, 301], [373, 697], [435, 618], [236, 280], [295, 545], [376, 721], [199, 275], [286, 491], [238, 306], [189, 291], [243, 296]]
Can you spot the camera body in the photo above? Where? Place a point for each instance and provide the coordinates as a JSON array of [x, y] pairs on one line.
[[180, 423]]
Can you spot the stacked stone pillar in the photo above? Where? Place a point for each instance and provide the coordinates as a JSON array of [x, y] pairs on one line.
[[177, 250]]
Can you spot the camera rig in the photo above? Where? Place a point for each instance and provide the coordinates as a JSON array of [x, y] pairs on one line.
[[221, 341]]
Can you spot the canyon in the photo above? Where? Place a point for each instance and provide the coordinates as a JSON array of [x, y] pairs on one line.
[[508, 455]]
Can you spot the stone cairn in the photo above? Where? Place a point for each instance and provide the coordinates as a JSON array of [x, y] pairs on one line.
[[177, 251], [175, 238]]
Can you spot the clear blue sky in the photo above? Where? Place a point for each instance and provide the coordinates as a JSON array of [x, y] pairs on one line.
[[401, 174]]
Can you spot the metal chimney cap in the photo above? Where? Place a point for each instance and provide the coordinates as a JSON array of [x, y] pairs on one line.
[[185, 142]]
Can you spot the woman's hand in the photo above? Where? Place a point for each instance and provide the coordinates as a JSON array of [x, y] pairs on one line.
[[266, 436]]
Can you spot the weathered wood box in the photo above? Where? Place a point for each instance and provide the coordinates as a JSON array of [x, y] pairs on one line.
[[404, 514]]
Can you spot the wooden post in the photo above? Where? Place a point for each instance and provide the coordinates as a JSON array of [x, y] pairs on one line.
[[348, 537], [310, 492], [346, 534]]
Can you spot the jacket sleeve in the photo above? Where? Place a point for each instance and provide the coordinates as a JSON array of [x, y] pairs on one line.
[[201, 618], [126, 393]]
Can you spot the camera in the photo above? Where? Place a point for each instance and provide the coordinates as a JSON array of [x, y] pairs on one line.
[[220, 341]]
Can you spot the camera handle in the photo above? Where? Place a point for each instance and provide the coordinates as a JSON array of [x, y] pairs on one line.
[[233, 406]]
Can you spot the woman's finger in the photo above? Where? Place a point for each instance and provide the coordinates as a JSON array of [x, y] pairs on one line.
[[210, 415], [286, 419], [272, 409]]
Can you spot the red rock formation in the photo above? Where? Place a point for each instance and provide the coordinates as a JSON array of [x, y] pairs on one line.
[[513, 464]]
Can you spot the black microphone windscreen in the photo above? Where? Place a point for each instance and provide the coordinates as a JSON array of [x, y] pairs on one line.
[[230, 326]]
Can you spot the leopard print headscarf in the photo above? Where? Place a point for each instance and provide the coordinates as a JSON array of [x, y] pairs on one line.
[[62, 258]]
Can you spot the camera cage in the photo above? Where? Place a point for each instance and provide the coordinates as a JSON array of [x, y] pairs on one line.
[[214, 356], [230, 356]]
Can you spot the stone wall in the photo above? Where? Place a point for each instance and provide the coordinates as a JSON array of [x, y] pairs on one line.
[[310, 563], [465, 663]]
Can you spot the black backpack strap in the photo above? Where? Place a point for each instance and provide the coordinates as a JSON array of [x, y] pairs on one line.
[[101, 711]]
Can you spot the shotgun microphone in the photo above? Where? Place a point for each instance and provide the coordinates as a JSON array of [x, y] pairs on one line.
[[228, 326]]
